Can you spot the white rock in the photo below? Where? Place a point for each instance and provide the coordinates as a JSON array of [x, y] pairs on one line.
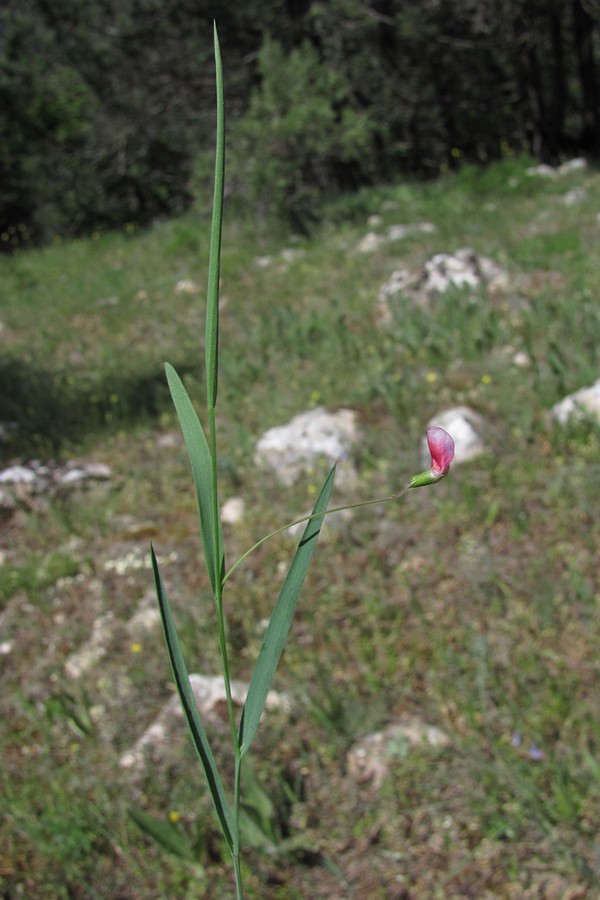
[[572, 165], [572, 198], [186, 286], [17, 475], [521, 359], [232, 510], [495, 277], [169, 439], [372, 758], [289, 254], [544, 170], [462, 269], [20, 484], [211, 700], [263, 262], [466, 427], [297, 446], [370, 242], [445, 270], [37, 477], [95, 649], [399, 280], [399, 232], [146, 617], [74, 473], [584, 403]]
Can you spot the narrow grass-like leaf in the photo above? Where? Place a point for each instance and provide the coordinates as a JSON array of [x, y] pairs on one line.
[[201, 462], [214, 264], [279, 624], [188, 702]]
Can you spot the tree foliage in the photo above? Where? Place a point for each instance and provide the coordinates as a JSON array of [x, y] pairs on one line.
[[417, 87], [105, 106]]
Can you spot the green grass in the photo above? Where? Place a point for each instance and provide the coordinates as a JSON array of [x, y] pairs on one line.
[[481, 594]]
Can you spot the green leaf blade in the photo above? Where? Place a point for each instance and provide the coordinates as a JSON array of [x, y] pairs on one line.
[[188, 702], [214, 263], [201, 462], [281, 618]]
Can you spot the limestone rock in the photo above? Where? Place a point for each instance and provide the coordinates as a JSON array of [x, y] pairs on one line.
[[209, 693], [463, 269], [146, 617], [467, 428], [296, 447], [232, 510], [372, 241], [583, 404], [566, 168], [542, 170], [575, 196], [21, 483], [399, 232], [74, 473], [372, 758], [94, 650], [187, 286], [18, 475]]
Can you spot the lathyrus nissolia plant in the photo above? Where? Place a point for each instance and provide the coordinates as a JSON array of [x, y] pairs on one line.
[[202, 450]]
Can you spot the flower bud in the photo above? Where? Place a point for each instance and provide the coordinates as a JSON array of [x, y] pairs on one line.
[[441, 447]]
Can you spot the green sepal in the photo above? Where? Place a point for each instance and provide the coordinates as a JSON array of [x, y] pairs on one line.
[[424, 479]]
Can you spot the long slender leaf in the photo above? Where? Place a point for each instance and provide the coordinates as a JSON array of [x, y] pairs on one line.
[[188, 702], [279, 624], [214, 264], [201, 461]]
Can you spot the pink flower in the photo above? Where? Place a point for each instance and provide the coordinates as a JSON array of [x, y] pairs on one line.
[[441, 447]]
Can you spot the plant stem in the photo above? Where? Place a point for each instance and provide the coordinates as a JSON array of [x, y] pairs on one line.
[[236, 815], [328, 512], [212, 378], [219, 580], [239, 890]]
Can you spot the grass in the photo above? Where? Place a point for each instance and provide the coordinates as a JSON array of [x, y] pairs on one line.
[[481, 595]]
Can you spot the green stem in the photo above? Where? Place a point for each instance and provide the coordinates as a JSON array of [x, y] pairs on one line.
[[328, 512], [236, 815], [220, 581], [239, 890], [214, 259]]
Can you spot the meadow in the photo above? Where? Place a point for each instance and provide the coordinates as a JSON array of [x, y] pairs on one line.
[[472, 605]]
